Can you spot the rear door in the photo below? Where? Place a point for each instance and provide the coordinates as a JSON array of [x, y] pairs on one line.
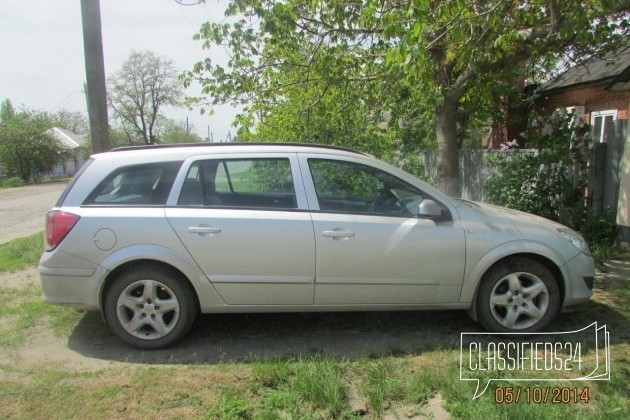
[[244, 221]]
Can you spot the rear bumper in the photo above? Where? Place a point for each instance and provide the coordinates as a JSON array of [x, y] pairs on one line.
[[70, 287]]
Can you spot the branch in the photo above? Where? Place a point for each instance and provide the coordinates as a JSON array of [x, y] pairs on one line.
[[524, 52]]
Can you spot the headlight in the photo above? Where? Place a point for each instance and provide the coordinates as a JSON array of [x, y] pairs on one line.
[[575, 239]]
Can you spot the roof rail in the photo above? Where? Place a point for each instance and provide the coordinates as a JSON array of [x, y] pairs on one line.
[[177, 145]]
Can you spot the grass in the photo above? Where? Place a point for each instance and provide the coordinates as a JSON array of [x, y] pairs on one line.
[[398, 384], [24, 308], [299, 386], [14, 182], [381, 384], [140, 391], [603, 252], [21, 253]]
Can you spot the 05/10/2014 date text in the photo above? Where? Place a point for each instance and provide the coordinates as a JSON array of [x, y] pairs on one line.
[[541, 395]]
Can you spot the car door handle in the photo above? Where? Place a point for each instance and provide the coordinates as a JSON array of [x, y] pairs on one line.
[[203, 229], [338, 233]]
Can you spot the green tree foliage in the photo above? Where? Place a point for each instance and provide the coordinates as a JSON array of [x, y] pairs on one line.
[[73, 121], [7, 111], [172, 131], [137, 93], [300, 66], [166, 130], [118, 137], [25, 148]]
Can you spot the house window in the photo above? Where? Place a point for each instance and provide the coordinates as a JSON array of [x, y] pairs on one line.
[[603, 125]]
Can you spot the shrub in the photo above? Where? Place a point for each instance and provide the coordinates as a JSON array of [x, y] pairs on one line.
[[11, 182], [550, 179], [600, 229]]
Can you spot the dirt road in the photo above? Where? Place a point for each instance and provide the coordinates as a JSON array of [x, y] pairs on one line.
[[23, 209]]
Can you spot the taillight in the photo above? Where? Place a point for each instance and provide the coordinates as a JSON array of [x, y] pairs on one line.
[[58, 225]]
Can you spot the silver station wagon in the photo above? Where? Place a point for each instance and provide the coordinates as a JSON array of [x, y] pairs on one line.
[[151, 236]]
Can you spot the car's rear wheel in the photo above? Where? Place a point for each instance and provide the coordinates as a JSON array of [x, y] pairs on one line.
[[518, 295], [149, 308]]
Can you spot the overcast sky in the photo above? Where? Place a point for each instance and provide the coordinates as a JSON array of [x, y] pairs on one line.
[[41, 50]]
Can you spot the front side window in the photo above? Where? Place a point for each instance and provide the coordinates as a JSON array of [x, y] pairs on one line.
[[249, 183], [356, 188], [145, 184]]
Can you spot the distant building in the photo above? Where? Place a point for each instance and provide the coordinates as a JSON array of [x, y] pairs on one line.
[[597, 90], [73, 144]]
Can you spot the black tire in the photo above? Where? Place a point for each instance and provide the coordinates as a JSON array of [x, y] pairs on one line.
[[518, 295], [150, 308]]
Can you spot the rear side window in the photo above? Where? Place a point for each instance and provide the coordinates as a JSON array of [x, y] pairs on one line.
[[264, 183], [146, 184], [266, 176]]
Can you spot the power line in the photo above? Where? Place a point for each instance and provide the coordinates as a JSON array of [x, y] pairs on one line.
[[64, 100], [189, 3], [185, 15]]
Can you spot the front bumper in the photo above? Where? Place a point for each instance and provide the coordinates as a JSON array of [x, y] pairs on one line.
[[579, 273]]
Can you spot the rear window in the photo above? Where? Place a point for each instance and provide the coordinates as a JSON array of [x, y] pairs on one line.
[[74, 180], [146, 184]]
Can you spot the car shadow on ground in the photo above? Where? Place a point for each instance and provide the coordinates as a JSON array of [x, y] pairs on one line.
[[229, 338], [226, 338]]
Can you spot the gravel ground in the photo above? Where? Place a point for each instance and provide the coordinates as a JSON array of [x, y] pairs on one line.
[[23, 209]]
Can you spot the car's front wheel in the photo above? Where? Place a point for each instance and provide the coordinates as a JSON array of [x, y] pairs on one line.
[[149, 308], [518, 295]]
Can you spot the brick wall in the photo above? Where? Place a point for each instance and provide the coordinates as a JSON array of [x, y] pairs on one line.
[[592, 98]]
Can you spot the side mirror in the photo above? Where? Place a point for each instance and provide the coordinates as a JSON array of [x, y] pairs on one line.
[[429, 209]]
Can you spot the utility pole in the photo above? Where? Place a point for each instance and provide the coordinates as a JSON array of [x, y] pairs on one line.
[[95, 75]]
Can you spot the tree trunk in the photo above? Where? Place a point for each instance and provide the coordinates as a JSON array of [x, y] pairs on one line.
[[447, 151]]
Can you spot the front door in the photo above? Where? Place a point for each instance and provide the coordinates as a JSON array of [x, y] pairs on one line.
[[372, 248]]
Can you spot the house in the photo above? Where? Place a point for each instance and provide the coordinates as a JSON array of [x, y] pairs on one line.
[[73, 144], [598, 90]]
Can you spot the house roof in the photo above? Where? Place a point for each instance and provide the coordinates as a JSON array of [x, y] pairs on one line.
[[612, 70], [67, 138]]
